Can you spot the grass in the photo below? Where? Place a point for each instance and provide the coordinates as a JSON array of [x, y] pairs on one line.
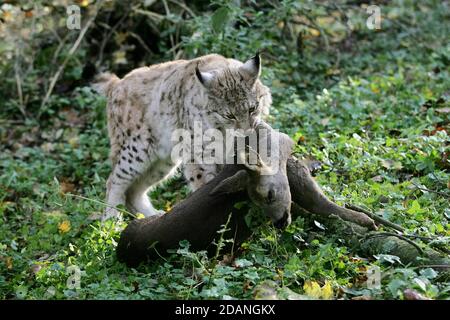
[[378, 122]]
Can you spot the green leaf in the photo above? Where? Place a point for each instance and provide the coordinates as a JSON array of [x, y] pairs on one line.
[[240, 205], [422, 285], [387, 258], [429, 273], [220, 19], [240, 263], [319, 225], [415, 208], [391, 164], [395, 285], [21, 292]]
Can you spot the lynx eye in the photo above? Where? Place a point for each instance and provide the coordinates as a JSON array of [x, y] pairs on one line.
[[230, 116]]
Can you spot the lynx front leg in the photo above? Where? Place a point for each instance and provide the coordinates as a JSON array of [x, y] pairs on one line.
[[197, 175], [137, 199]]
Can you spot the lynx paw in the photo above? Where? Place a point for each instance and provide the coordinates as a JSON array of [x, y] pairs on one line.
[[111, 213]]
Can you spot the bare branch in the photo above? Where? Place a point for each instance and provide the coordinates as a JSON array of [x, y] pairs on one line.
[[68, 57]]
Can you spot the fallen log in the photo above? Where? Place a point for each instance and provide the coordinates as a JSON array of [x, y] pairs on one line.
[[200, 216], [368, 243]]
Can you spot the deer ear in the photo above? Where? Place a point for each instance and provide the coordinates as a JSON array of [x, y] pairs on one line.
[[251, 69], [205, 78], [253, 162], [233, 184], [286, 145]]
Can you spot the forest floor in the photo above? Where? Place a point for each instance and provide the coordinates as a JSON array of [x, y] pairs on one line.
[[378, 123]]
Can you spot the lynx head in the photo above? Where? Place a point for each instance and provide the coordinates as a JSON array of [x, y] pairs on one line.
[[235, 94]]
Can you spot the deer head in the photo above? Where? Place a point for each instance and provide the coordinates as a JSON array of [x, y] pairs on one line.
[[265, 181]]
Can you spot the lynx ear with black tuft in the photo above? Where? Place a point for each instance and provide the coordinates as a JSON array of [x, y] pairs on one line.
[[251, 69], [205, 78]]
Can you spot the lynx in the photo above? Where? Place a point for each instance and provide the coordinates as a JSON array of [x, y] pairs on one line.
[[149, 103]]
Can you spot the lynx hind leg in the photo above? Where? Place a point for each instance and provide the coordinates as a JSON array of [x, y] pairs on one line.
[[129, 162], [199, 175], [115, 195]]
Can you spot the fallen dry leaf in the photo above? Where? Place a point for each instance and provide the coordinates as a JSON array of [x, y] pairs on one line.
[[95, 216], [140, 215], [66, 187], [48, 147], [74, 142], [7, 16], [324, 121], [377, 178], [72, 116], [9, 264], [168, 207], [327, 291], [301, 140], [227, 260], [35, 268], [83, 3], [313, 290]]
